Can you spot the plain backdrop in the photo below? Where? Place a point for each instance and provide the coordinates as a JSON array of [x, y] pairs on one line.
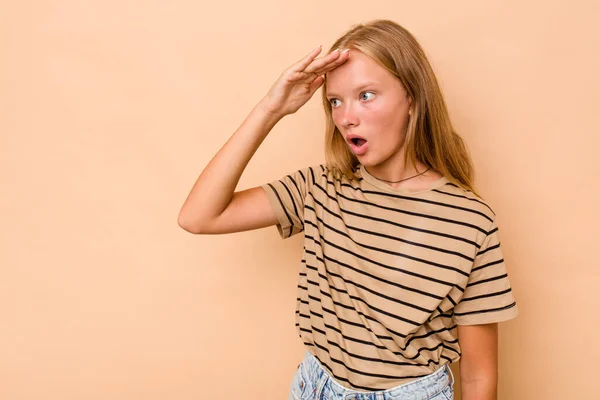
[[109, 110]]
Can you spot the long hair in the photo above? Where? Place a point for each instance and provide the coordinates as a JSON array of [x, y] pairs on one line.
[[430, 137]]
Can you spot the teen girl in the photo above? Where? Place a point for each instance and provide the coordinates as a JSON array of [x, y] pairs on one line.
[[402, 271]]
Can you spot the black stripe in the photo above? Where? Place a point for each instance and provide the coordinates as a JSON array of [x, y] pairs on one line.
[[302, 176], [284, 209], [325, 309], [376, 360], [362, 272], [395, 238], [385, 221], [466, 198], [360, 325], [312, 173], [411, 198], [488, 249], [291, 199], [483, 296], [376, 293], [386, 266], [430, 361], [492, 231], [367, 343], [488, 310], [296, 185], [488, 280], [398, 210], [433, 332], [371, 307], [381, 250], [451, 300], [448, 359], [333, 359], [353, 339], [488, 265]]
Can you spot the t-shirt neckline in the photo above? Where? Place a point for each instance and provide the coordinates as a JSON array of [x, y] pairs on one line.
[[384, 186]]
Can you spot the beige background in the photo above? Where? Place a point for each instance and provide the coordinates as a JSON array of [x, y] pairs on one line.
[[109, 111]]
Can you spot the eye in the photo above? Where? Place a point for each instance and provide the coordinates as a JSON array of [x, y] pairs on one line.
[[362, 96], [364, 93]]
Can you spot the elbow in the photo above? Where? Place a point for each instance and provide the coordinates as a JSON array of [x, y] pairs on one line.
[[187, 225]]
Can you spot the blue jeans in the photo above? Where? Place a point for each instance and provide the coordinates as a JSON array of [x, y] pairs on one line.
[[313, 382]]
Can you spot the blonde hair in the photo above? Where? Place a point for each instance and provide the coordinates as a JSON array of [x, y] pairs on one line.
[[430, 137]]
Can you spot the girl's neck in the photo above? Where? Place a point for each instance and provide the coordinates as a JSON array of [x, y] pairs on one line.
[[419, 175]]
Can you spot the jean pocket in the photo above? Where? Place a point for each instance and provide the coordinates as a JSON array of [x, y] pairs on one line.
[[448, 392], [299, 384]]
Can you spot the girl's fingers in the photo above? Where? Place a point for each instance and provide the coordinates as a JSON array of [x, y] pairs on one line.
[[316, 83], [332, 65], [308, 67], [302, 64], [321, 62]]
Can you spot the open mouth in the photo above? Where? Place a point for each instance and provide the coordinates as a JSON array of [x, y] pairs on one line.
[[358, 142]]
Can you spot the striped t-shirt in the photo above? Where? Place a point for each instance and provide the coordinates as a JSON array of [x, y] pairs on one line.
[[387, 274]]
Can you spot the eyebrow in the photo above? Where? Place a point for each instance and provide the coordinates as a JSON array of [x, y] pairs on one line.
[[358, 88]]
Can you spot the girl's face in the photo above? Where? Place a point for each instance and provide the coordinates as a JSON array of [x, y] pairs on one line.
[[370, 108]]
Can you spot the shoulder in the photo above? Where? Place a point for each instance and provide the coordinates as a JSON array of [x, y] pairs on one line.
[[319, 173], [308, 174], [326, 178], [465, 201]]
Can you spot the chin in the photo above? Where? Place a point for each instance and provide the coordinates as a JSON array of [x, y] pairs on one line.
[[368, 164], [369, 161]]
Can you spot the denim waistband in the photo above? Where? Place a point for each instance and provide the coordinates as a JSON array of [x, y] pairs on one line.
[[419, 389]]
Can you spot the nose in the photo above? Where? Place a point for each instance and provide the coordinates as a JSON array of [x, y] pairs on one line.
[[349, 117]]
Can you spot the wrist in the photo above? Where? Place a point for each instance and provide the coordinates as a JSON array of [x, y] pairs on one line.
[[269, 110]]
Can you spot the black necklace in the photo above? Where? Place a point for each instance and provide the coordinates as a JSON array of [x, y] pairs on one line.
[[405, 179]]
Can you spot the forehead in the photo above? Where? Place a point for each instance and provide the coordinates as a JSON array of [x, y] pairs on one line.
[[358, 69]]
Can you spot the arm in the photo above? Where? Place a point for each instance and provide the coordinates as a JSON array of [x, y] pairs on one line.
[[212, 207], [479, 361]]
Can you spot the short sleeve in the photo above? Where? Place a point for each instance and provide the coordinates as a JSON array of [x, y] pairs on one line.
[[488, 297], [286, 196]]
